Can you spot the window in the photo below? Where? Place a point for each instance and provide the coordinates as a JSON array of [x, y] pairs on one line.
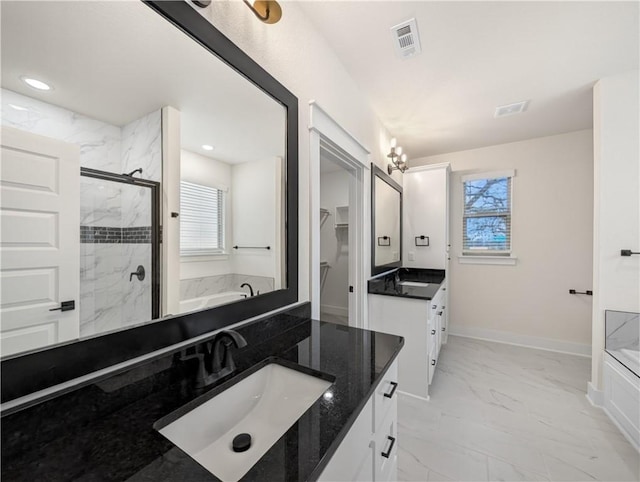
[[201, 220], [486, 220]]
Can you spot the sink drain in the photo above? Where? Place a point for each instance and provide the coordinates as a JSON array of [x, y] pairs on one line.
[[241, 442]]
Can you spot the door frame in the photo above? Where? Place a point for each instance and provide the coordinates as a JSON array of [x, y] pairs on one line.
[[323, 128]]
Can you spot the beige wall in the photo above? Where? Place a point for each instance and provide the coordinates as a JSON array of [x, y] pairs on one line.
[[529, 303], [299, 58], [616, 224]]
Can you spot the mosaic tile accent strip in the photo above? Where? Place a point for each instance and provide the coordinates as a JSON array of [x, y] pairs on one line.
[[104, 234]]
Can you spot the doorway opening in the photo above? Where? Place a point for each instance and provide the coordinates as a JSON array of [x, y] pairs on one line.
[[336, 179], [330, 143]]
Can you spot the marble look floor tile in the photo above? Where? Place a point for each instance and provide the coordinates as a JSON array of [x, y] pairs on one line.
[[503, 412], [410, 468], [434, 476], [503, 471], [445, 457]]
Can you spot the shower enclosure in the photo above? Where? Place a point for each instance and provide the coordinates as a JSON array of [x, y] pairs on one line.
[[119, 251]]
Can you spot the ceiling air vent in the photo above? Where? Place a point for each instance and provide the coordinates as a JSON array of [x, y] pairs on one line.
[[405, 38], [511, 109]]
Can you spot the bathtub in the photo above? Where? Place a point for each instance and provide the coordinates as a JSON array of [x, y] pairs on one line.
[[629, 357], [209, 301]]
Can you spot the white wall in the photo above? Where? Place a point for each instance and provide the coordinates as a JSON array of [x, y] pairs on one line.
[[334, 243], [529, 303], [299, 57], [253, 216], [616, 279]]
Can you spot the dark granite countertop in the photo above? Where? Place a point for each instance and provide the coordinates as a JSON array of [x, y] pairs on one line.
[[104, 431], [391, 283]]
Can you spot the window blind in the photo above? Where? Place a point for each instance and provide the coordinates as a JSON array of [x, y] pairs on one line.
[[201, 220], [486, 223]]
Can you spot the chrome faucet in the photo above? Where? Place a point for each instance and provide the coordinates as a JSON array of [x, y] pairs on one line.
[[216, 361], [250, 288]]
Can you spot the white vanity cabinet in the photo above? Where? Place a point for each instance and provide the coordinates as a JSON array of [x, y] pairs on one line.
[[423, 324], [369, 452]]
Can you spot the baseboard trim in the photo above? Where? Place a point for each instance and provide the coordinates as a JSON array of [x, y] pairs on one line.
[[595, 396], [526, 341], [424, 399], [334, 310]]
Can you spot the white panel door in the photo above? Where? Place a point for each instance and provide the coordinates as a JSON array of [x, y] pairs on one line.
[[39, 240]]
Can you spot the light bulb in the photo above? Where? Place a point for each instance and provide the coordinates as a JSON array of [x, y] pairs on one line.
[[399, 150], [393, 142], [403, 158], [35, 83]]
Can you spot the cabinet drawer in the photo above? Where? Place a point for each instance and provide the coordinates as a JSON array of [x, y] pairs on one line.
[[432, 361], [386, 396], [387, 448]]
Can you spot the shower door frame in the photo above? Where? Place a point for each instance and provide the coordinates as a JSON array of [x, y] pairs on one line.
[[155, 226]]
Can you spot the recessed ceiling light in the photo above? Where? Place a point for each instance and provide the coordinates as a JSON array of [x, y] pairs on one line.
[[35, 83], [17, 107], [207, 147]]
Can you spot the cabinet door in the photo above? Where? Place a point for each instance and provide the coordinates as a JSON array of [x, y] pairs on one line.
[[354, 457], [424, 208], [366, 473]]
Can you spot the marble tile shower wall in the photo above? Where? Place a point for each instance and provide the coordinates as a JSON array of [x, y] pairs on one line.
[[115, 218], [210, 285], [100, 143], [110, 252]]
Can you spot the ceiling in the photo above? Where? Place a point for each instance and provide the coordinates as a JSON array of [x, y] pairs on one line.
[[118, 61], [477, 56]]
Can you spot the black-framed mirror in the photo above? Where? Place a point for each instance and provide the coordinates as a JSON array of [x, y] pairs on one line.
[[175, 84], [386, 222]]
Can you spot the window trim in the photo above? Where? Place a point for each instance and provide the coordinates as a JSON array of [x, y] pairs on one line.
[[505, 257]]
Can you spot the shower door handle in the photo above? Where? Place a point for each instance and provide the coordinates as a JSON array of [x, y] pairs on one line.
[[139, 273], [65, 306]]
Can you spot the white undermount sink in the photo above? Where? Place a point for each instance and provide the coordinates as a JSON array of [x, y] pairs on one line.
[[264, 404], [416, 284]]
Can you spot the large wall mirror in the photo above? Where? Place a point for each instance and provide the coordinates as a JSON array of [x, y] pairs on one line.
[[386, 221], [99, 100]]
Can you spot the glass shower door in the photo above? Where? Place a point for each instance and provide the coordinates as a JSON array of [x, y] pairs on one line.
[[118, 252]]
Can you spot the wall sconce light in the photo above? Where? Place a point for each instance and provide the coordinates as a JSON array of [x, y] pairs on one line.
[[268, 11], [398, 159]]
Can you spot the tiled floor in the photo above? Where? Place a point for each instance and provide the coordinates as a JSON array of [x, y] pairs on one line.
[[340, 320], [501, 412]]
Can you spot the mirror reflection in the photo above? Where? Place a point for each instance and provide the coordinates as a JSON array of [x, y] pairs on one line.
[[387, 213], [120, 132]]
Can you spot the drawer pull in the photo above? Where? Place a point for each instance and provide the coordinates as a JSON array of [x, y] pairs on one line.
[[394, 385], [433, 362], [433, 307], [439, 313], [443, 328], [388, 452], [433, 332]]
